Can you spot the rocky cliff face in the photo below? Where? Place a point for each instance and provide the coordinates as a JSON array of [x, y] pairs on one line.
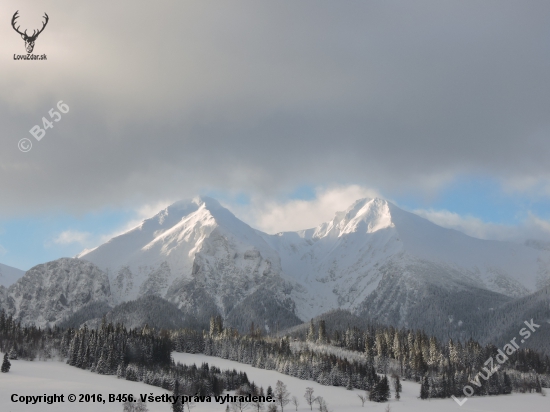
[[49, 292]]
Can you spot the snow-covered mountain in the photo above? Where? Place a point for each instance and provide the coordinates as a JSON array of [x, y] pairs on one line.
[[198, 255], [374, 245], [49, 292], [374, 259], [9, 275]]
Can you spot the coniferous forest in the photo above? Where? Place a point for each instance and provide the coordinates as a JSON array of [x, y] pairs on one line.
[[353, 358]]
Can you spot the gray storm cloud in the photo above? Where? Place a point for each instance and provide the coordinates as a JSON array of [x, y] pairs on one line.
[[169, 98]]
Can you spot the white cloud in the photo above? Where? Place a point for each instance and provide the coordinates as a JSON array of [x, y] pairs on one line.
[[535, 186], [531, 228], [72, 236], [538, 224], [3, 250], [290, 215]]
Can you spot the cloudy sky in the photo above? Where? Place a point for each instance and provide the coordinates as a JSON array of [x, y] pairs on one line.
[[285, 111]]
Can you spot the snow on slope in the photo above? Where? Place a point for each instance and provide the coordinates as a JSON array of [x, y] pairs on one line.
[[198, 252], [339, 399], [38, 378], [50, 291], [9, 275], [53, 377], [505, 267], [341, 262], [198, 255], [149, 258]]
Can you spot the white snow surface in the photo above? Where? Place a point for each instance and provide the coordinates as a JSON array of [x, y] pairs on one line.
[[338, 264], [53, 377], [9, 275], [164, 248]]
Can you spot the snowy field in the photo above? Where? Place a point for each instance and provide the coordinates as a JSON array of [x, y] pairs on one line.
[[38, 378]]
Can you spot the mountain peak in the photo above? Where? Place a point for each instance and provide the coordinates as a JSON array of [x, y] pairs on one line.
[[365, 215], [182, 208]]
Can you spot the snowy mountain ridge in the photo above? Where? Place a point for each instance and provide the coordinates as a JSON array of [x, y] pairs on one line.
[[49, 292], [337, 264], [373, 259], [344, 260]]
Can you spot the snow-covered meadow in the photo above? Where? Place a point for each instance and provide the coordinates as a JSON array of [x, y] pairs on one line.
[[53, 377]]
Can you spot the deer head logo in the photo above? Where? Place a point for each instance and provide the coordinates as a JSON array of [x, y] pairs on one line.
[[29, 40]]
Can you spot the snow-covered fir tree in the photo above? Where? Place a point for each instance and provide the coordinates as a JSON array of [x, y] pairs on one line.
[[6, 364]]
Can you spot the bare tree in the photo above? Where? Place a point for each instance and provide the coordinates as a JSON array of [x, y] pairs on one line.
[[309, 397], [241, 405], [323, 407], [190, 405], [272, 408], [281, 394], [295, 402], [363, 399], [388, 409], [257, 405]]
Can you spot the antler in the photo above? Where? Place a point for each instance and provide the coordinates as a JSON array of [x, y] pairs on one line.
[[43, 26], [34, 33], [15, 16]]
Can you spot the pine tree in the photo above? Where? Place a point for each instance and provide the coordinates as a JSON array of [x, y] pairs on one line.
[[80, 361], [141, 406], [212, 326], [178, 405], [13, 353], [397, 386], [322, 332], [311, 332], [425, 389], [121, 370], [132, 373], [507, 386], [374, 393], [493, 386], [384, 389], [128, 407], [538, 386], [434, 353], [102, 367], [6, 364], [349, 385], [396, 349]]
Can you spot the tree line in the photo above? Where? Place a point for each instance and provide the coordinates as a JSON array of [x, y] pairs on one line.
[[367, 359], [443, 369]]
